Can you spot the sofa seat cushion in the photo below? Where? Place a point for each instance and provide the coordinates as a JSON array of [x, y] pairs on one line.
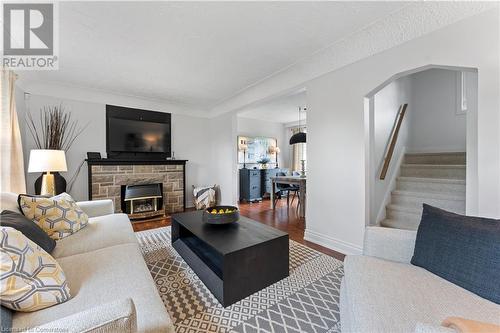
[[104, 276], [101, 232], [385, 296]]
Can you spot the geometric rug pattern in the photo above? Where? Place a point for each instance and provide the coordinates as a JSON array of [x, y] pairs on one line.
[[306, 301]]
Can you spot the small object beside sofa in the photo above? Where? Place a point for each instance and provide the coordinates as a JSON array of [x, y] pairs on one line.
[[382, 292], [111, 287]]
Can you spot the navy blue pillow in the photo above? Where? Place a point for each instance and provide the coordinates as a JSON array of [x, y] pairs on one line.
[[5, 319], [464, 250], [28, 228]]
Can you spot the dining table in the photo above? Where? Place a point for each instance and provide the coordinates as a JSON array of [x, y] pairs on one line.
[[291, 180]]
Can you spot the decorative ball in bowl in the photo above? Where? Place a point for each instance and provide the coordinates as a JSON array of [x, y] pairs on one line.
[[221, 215]]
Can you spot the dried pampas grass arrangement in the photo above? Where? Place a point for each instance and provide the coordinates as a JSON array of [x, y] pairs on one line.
[[56, 129]]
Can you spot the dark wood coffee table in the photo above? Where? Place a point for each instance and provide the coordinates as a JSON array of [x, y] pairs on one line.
[[233, 260]]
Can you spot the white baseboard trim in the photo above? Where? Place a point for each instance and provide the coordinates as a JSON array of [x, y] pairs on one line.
[[332, 243]]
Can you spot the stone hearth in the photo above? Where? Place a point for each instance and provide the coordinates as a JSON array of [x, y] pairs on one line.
[[106, 179]]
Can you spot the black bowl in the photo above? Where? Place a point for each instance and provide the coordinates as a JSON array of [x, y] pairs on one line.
[[225, 218]]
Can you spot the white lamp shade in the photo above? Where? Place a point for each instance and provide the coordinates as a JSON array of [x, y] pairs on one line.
[[43, 160]]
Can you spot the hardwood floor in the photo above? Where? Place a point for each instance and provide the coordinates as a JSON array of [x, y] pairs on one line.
[[283, 218], [151, 224]]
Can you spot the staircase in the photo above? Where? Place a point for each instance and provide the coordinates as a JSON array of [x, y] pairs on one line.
[[437, 179]]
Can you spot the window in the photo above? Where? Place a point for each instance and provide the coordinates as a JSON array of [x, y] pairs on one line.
[[461, 93]]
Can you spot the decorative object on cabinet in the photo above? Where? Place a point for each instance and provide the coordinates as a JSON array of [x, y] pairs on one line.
[[263, 162]]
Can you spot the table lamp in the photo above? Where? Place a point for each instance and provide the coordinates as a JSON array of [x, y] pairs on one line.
[[47, 160], [243, 146]]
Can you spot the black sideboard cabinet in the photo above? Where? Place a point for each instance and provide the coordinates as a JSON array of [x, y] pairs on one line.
[[255, 183]]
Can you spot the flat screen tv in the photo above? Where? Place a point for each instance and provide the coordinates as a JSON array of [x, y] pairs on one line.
[[136, 133]]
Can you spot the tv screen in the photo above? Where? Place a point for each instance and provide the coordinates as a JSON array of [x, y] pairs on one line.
[[139, 136], [135, 132]]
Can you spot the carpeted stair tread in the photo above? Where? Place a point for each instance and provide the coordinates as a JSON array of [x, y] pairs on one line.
[[432, 180], [436, 158], [407, 225], [434, 166], [405, 209], [432, 195], [450, 171]]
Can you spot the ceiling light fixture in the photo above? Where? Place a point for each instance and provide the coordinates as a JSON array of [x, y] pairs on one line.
[[299, 137]]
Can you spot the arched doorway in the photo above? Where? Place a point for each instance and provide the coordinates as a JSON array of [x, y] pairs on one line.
[[421, 144]]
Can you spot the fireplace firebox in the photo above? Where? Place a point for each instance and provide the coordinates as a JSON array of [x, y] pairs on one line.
[[142, 201]]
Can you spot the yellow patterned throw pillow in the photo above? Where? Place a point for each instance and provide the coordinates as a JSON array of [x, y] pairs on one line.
[[30, 278], [58, 216]]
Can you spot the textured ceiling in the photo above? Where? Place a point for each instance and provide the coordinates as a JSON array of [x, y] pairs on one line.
[[197, 54], [283, 109], [410, 22]]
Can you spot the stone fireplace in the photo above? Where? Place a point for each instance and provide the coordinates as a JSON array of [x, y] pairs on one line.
[[108, 179]]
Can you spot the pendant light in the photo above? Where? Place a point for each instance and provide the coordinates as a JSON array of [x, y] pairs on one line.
[[299, 137]]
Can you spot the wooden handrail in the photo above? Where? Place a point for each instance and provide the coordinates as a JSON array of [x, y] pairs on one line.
[[394, 139]]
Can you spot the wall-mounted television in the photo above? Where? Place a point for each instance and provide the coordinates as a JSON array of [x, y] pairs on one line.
[[137, 133]]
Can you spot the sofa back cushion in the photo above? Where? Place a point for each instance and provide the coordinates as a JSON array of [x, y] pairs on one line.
[[461, 249], [29, 229], [8, 201]]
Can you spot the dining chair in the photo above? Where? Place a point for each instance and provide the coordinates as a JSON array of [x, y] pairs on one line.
[[295, 189], [282, 189]]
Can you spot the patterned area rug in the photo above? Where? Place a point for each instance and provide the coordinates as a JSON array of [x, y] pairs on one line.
[[306, 301]]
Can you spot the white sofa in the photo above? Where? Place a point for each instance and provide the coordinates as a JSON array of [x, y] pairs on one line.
[[111, 287], [382, 292]]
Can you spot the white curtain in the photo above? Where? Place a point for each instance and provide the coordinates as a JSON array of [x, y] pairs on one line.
[[299, 150], [11, 154]]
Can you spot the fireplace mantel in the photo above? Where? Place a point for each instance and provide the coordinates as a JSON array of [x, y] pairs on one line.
[[106, 176]]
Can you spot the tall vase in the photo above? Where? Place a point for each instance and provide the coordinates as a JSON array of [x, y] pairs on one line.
[[302, 168]]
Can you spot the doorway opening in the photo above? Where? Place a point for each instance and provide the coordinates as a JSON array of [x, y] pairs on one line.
[[421, 145]]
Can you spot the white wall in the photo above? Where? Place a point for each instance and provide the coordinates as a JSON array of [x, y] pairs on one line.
[[435, 124], [189, 141], [385, 108], [336, 213], [223, 156], [254, 127]]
